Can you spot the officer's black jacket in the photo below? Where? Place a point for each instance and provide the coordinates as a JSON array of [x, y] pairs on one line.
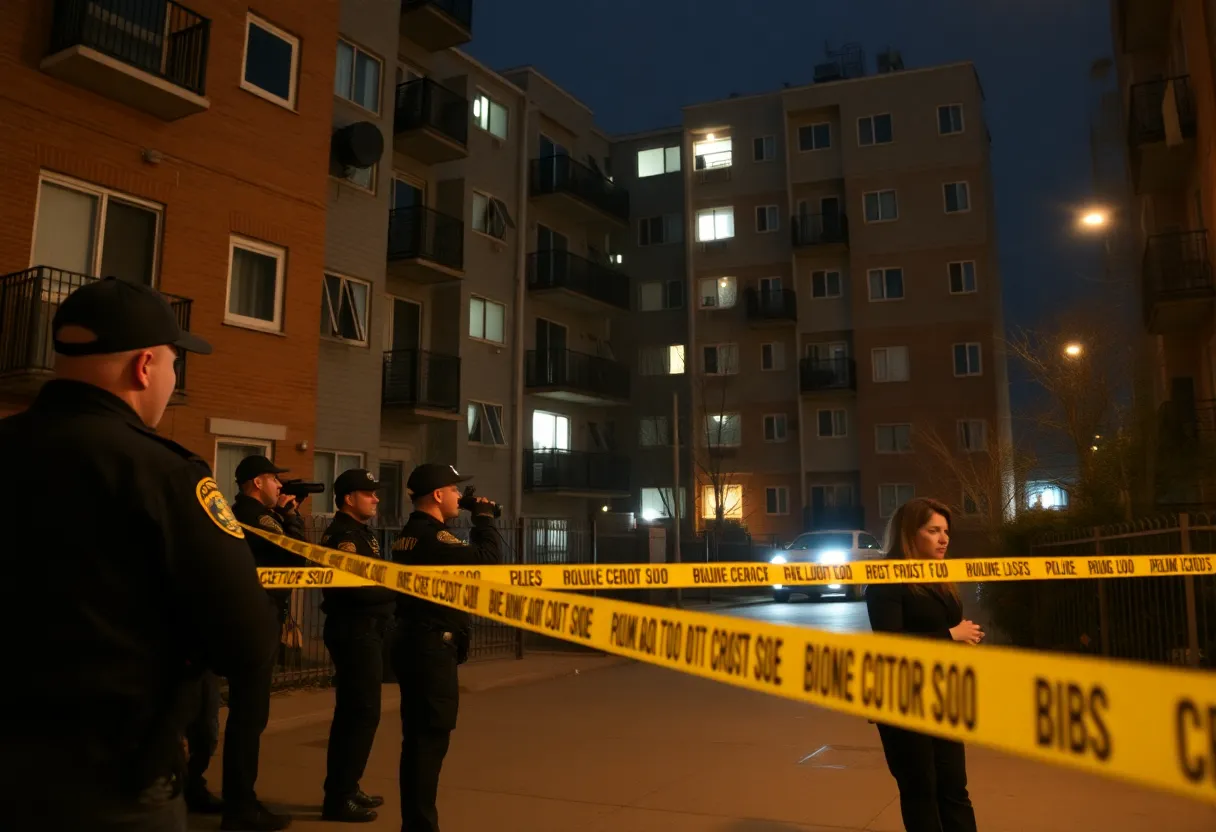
[[266, 554], [349, 535], [424, 541], [124, 575]]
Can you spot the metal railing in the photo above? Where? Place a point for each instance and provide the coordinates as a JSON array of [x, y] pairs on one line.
[[594, 471], [570, 370], [1146, 111], [563, 174], [771, 304], [827, 374], [425, 103], [29, 300], [818, 229], [160, 37], [562, 270], [459, 10], [421, 378], [1175, 267], [420, 233]]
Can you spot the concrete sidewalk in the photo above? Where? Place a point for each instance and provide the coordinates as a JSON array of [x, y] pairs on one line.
[[634, 748]]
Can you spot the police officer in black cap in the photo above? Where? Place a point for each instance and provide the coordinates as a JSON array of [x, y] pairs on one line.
[[147, 570], [356, 620], [432, 640]]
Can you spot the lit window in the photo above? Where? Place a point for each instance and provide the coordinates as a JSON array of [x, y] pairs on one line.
[[657, 503], [715, 224], [723, 430], [719, 292], [732, 502], [489, 115], [658, 160], [712, 153], [487, 320], [661, 360]]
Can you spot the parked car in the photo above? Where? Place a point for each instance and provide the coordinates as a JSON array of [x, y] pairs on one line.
[[830, 548]]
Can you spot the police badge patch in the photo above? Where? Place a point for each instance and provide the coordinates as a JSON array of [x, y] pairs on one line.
[[268, 522], [449, 538], [212, 499], [347, 546]]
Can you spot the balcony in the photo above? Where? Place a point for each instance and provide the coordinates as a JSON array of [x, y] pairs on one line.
[[425, 246], [819, 230], [1144, 24], [771, 306], [579, 191], [576, 473], [437, 24], [1177, 281], [576, 377], [1161, 134], [821, 518], [431, 123], [817, 374], [147, 54], [28, 302], [422, 385], [578, 282]]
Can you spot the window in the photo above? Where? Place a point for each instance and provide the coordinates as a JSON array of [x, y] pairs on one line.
[[357, 78], [893, 439], [550, 431], [962, 277], [886, 284], [766, 218], [719, 292], [833, 424], [825, 284], [875, 130], [715, 224], [489, 115], [815, 136], [764, 149], [881, 206], [391, 479], [891, 497], [655, 231], [228, 454], [657, 503], [487, 320], [344, 308], [967, 360], [326, 466], [255, 284], [654, 432], [720, 359], [92, 231], [712, 153], [776, 428], [838, 495], [772, 356], [723, 429], [657, 295], [485, 424], [661, 361], [732, 502], [777, 500], [658, 160], [958, 197], [972, 435], [272, 60], [362, 178], [890, 363], [490, 215], [949, 119]]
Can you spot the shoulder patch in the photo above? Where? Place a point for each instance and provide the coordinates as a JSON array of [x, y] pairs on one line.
[[347, 546], [212, 500], [268, 522], [447, 537]]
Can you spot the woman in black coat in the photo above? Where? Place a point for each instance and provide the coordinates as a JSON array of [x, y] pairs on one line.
[[931, 772]]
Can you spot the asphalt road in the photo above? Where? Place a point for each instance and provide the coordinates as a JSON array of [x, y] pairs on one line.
[[834, 615]]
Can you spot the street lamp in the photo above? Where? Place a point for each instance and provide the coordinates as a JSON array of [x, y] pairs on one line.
[[1073, 349], [1095, 218]]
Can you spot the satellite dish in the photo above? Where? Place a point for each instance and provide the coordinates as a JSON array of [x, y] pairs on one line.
[[358, 145]]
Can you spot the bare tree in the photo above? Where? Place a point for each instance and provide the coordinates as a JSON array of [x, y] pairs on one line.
[[719, 434]]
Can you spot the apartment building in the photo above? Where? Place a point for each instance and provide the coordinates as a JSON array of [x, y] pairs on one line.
[[183, 148]]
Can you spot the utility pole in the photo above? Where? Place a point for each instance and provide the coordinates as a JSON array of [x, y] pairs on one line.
[[675, 484]]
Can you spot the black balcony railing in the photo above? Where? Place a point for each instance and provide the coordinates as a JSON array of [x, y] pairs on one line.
[[563, 174], [423, 234], [563, 270], [424, 103], [1146, 112], [772, 304], [593, 471], [818, 518], [459, 10], [158, 36], [576, 371], [1176, 267], [819, 229], [422, 379], [28, 302], [827, 374]]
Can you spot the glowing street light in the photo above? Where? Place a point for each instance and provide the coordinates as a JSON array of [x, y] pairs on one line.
[[1073, 350], [1094, 219]]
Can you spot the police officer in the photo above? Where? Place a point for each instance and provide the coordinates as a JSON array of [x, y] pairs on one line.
[[432, 640], [356, 620], [120, 588]]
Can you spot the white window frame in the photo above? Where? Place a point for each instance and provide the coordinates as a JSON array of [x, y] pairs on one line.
[[874, 142], [725, 158], [667, 163], [365, 325], [672, 230], [966, 430], [558, 419], [840, 423], [330, 507], [768, 148], [266, 446], [886, 350], [962, 119], [712, 213], [883, 270], [490, 103], [814, 148], [865, 215], [970, 371], [732, 495], [664, 295], [895, 449], [946, 186], [354, 65], [482, 338], [781, 428], [720, 350], [895, 486], [266, 25], [776, 351], [701, 295], [484, 408], [962, 271], [770, 212], [781, 496], [236, 241], [496, 205], [828, 295], [723, 417], [359, 186]]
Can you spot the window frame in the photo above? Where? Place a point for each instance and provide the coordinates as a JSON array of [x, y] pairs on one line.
[[668, 223], [482, 338], [665, 294], [874, 142], [331, 507], [843, 423], [775, 349], [266, 445], [769, 210], [777, 419], [713, 213], [962, 120], [874, 364], [354, 66], [779, 492], [358, 186], [666, 351], [495, 203], [485, 408], [827, 295], [881, 219], [979, 351], [975, 280], [768, 149], [290, 103], [662, 430], [814, 148], [885, 270], [724, 416], [257, 247], [366, 324], [704, 139], [969, 424], [718, 349], [701, 305], [946, 199], [895, 448], [666, 159], [896, 486], [480, 92], [707, 497]]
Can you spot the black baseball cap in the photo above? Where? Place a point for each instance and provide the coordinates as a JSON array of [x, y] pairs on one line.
[[255, 466], [432, 476], [124, 316], [356, 479]]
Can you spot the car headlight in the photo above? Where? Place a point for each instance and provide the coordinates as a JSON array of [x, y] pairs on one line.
[[778, 559], [831, 556]]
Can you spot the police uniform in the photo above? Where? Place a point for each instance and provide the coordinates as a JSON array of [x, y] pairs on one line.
[[432, 640], [356, 619], [128, 575]]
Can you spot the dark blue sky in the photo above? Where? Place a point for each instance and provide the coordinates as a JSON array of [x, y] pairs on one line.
[[636, 62]]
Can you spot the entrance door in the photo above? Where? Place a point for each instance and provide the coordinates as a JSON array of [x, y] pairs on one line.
[[551, 362], [406, 330], [404, 369], [829, 208], [552, 264], [552, 163]]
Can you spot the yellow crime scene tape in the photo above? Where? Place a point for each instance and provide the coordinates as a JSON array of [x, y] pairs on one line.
[[690, 575], [1154, 726]]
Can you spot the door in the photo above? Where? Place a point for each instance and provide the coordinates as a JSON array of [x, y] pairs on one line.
[[770, 295], [552, 262], [406, 224], [829, 209], [551, 361], [403, 366], [552, 163]]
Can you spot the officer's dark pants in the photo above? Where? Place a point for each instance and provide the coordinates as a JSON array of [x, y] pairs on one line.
[[425, 663], [932, 777], [203, 733], [248, 713], [356, 646]]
